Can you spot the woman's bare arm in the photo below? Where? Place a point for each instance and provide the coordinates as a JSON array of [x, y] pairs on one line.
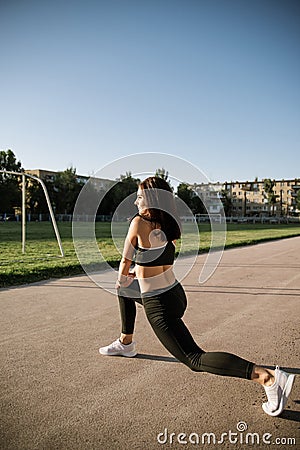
[[124, 278]]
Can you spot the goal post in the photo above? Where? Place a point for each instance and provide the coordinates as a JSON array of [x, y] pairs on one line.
[[24, 175]]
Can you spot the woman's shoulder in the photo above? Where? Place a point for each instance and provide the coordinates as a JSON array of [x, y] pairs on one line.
[[137, 221], [136, 218], [140, 226]]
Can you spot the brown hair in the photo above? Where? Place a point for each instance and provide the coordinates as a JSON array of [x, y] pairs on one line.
[[162, 209]]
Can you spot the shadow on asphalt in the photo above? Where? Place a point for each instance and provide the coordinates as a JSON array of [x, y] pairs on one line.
[[171, 359], [294, 370], [287, 414], [241, 291], [291, 415], [156, 358]]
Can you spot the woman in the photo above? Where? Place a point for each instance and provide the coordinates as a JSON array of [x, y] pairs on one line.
[[151, 243]]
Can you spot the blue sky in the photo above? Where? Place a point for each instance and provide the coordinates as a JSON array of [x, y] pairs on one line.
[[215, 82]]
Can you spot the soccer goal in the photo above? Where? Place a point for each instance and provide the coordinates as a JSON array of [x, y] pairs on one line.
[[24, 175]]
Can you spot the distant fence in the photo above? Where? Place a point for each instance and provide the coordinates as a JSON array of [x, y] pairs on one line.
[[264, 219], [108, 218], [47, 218]]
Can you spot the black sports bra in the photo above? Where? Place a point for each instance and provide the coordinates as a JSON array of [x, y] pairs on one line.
[[155, 256]]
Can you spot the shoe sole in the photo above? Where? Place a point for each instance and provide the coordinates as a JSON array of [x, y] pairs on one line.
[[127, 355], [284, 398]]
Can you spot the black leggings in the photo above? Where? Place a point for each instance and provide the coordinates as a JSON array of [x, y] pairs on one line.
[[164, 311]]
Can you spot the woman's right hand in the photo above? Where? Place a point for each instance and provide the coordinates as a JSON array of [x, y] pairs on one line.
[[127, 282]]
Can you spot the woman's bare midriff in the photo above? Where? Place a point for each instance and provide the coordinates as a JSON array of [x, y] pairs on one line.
[[152, 278]]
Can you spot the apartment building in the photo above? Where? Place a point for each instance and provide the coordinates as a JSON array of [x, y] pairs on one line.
[[48, 175], [248, 198], [210, 195]]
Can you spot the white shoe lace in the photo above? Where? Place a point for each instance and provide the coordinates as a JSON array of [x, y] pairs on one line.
[[115, 344]]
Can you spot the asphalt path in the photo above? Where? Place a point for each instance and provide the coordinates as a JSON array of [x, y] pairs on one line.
[[58, 392]]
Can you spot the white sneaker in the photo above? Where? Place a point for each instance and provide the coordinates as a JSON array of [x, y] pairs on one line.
[[278, 393], [116, 348]]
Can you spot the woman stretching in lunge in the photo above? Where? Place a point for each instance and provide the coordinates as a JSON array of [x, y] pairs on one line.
[[151, 238]]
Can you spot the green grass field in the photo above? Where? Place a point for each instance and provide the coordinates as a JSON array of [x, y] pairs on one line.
[[42, 259]]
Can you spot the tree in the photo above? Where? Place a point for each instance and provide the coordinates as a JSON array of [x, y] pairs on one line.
[[271, 196], [10, 192], [128, 185], [162, 173], [35, 197], [227, 201], [190, 198], [125, 186], [197, 205], [184, 192], [298, 200], [64, 191], [246, 188]]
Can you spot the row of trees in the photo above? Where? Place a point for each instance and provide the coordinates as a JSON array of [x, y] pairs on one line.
[[63, 190], [10, 194], [65, 187]]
